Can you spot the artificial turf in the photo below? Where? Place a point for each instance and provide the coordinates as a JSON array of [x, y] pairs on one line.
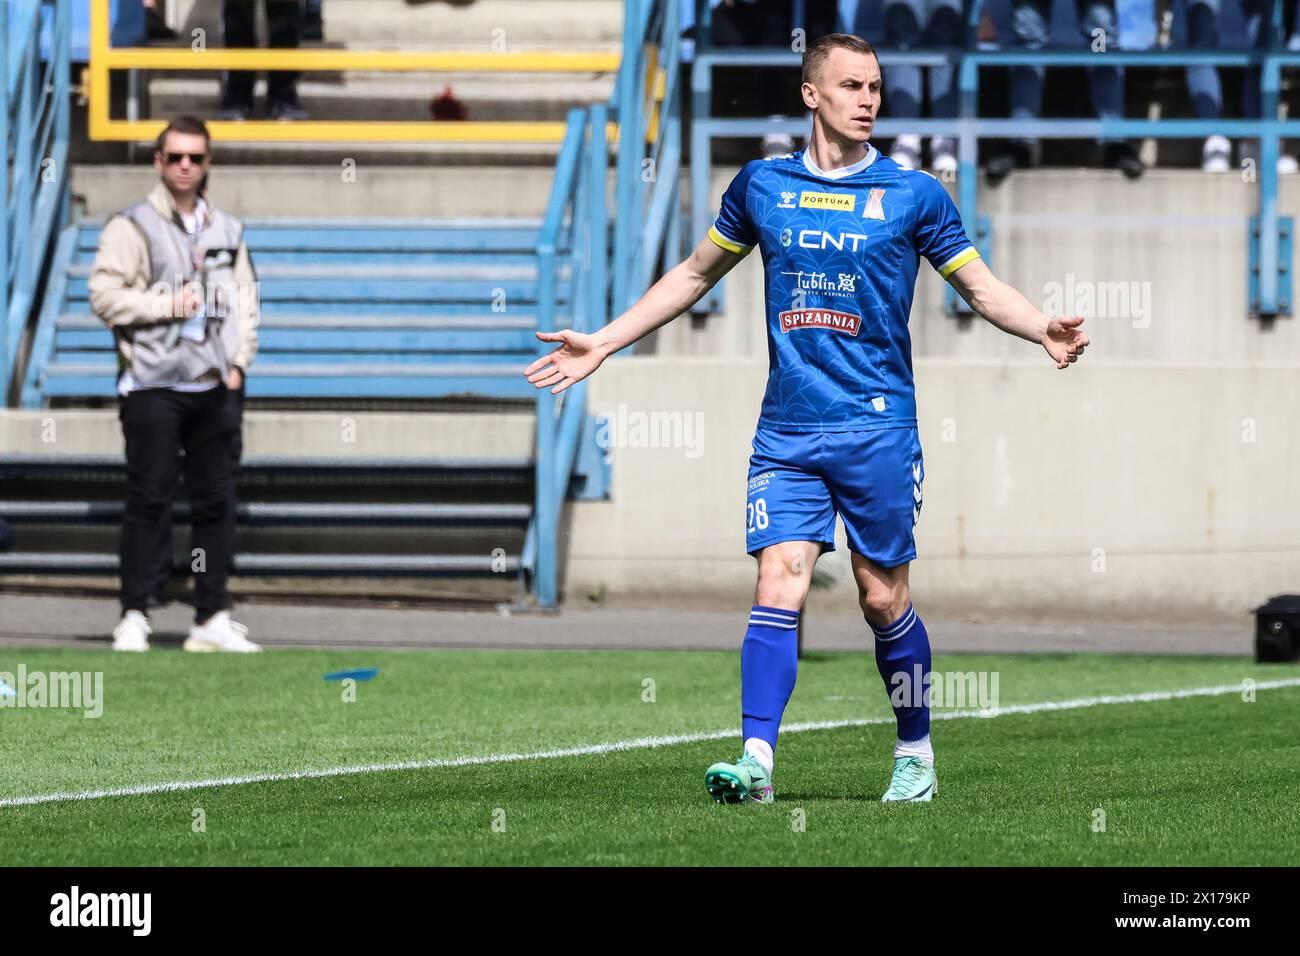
[[1197, 780]]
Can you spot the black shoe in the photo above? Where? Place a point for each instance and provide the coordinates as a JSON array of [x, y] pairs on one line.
[[286, 110], [155, 27], [1121, 156], [1015, 156]]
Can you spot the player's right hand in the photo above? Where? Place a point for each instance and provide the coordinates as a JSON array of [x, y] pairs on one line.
[[187, 301], [576, 358]]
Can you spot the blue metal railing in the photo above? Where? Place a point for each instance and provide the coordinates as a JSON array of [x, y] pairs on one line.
[[606, 275], [35, 99], [1269, 238]]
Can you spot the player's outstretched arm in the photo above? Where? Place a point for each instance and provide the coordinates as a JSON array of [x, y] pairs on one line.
[[680, 288], [1010, 311]]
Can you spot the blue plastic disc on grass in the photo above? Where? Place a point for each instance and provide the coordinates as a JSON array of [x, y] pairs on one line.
[[360, 673]]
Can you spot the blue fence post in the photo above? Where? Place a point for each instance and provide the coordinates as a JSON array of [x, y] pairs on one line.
[[1268, 219], [630, 95], [549, 482], [701, 140], [62, 80], [598, 175], [6, 359]]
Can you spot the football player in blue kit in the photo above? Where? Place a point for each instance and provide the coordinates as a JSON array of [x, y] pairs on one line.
[[841, 230]]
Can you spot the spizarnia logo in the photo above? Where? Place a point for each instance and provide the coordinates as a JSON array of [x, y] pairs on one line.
[[820, 319], [75, 909]]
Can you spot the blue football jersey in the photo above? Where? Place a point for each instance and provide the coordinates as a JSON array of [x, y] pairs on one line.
[[840, 253]]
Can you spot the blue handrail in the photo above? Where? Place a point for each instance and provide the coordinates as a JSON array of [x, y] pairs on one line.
[[1268, 296], [34, 126], [604, 275]]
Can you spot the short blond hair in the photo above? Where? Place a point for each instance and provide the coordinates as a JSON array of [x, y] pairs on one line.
[[815, 56]]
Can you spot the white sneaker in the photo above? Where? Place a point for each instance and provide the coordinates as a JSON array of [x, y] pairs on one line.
[[1216, 155], [907, 151], [220, 634], [132, 633], [1286, 163], [943, 154]]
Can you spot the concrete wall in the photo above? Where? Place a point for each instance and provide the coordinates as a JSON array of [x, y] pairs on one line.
[[320, 191], [1116, 488], [340, 434]]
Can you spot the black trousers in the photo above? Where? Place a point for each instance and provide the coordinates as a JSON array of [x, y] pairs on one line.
[[284, 22], [157, 424], [768, 23], [165, 559]]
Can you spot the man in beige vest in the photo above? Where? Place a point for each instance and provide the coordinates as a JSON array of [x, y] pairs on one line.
[[174, 282]]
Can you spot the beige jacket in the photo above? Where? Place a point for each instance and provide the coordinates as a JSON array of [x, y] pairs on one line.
[[122, 274]]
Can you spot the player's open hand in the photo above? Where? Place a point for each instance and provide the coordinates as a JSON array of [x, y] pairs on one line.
[[1064, 340], [575, 359]]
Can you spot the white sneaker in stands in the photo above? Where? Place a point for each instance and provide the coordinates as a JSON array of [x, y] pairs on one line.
[[220, 633], [132, 632]]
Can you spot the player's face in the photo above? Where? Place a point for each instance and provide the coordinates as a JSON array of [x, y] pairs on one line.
[[847, 94]]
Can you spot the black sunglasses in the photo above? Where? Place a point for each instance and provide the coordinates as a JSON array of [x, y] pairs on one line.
[[195, 158]]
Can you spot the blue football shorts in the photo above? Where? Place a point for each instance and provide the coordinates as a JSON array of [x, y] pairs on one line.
[[799, 481]]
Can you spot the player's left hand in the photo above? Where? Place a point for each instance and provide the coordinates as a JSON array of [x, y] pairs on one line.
[[1064, 340]]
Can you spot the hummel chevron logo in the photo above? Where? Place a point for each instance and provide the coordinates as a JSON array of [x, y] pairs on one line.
[[916, 493], [916, 473]]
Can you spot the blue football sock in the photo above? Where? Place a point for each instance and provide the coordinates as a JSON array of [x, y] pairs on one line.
[[903, 659], [769, 660]]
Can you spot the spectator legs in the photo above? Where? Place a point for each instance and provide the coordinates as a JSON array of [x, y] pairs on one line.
[[1097, 21], [284, 21], [209, 474], [1203, 84], [156, 423], [239, 29]]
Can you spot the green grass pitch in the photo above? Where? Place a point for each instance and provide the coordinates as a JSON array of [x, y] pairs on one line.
[[1197, 780]]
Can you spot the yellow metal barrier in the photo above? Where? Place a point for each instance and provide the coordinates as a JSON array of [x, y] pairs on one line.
[[104, 58]]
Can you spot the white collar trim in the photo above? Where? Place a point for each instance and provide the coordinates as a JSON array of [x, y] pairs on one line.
[[843, 171]]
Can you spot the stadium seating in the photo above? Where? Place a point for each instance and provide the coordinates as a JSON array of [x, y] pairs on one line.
[[349, 310]]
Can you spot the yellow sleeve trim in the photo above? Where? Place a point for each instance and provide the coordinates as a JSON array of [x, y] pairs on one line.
[[957, 261], [726, 243]]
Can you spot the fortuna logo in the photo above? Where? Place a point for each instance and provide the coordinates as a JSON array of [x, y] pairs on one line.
[[817, 239], [820, 319], [844, 202], [134, 910], [787, 201], [874, 209]]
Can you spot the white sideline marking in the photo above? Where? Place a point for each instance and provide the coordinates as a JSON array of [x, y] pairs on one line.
[[638, 743]]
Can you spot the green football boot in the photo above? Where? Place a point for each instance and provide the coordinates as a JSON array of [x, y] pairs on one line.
[[741, 782], [914, 781]]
